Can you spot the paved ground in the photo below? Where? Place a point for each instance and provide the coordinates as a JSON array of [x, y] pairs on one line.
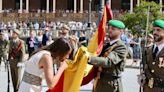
[[129, 80]]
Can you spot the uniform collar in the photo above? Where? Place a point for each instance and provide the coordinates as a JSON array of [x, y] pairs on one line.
[[160, 47], [15, 40], [113, 41]]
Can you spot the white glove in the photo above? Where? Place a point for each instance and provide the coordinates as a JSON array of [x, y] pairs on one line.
[[141, 79], [20, 65]]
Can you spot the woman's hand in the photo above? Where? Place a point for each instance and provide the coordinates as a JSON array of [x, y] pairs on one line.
[[63, 65]]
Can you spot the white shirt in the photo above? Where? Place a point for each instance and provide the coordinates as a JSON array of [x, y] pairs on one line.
[[36, 26], [39, 38], [6, 36], [15, 40], [160, 47], [14, 25]]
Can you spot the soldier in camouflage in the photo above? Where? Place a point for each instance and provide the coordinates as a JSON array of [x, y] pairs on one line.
[[3, 49]]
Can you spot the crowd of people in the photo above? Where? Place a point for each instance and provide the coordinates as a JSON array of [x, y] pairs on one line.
[[44, 50], [25, 27], [133, 43], [14, 49]]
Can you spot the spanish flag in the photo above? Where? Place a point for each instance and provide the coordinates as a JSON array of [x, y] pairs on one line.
[[96, 44], [72, 77]]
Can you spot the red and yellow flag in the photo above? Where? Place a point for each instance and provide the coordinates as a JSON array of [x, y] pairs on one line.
[[72, 77], [97, 42]]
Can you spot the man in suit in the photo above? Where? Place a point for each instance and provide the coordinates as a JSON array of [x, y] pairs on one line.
[[111, 61], [32, 43], [46, 36], [16, 54], [154, 66]]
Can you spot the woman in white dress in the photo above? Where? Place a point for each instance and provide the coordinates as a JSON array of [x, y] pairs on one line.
[[40, 65]]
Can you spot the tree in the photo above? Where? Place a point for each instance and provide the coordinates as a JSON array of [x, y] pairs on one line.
[[137, 20]]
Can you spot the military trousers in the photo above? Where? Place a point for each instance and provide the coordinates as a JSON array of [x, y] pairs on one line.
[[3, 58], [15, 74], [108, 85], [146, 88]]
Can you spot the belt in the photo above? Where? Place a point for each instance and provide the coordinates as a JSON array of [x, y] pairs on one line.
[[32, 79], [109, 75]]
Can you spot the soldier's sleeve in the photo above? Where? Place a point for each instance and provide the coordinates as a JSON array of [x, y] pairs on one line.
[[116, 56], [7, 45], [22, 55]]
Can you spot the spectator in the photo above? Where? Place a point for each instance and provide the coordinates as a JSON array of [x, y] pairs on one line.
[[136, 49], [36, 27], [150, 40], [45, 36], [40, 37], [32, 43], [50, 40], [64, 32]]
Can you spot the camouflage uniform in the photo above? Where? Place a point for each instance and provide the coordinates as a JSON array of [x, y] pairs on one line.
[[3, 50]]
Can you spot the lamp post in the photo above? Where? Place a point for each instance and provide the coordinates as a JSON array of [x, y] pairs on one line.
[[88, 30], [89, 14], [102, 2]]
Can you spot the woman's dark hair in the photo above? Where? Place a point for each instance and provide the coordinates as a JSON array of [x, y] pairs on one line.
[[60, 47]]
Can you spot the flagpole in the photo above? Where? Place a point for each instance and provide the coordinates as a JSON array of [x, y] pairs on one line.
[[8, 75], [147, 25], [142, 64]]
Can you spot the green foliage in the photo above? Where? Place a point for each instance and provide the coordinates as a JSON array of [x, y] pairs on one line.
[[136, 21], [161, 16]]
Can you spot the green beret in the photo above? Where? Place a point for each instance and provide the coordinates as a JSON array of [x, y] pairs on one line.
[[158, 23], [117, 24]]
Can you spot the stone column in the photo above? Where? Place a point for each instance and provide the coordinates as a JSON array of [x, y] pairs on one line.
[[1, 6], [131, 6], [109, 2], [21, 6], [75, 6], [138, 2], [47, 6], [54, 6], [27, 6], [81, 6], [90, 14], [161, 4]]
